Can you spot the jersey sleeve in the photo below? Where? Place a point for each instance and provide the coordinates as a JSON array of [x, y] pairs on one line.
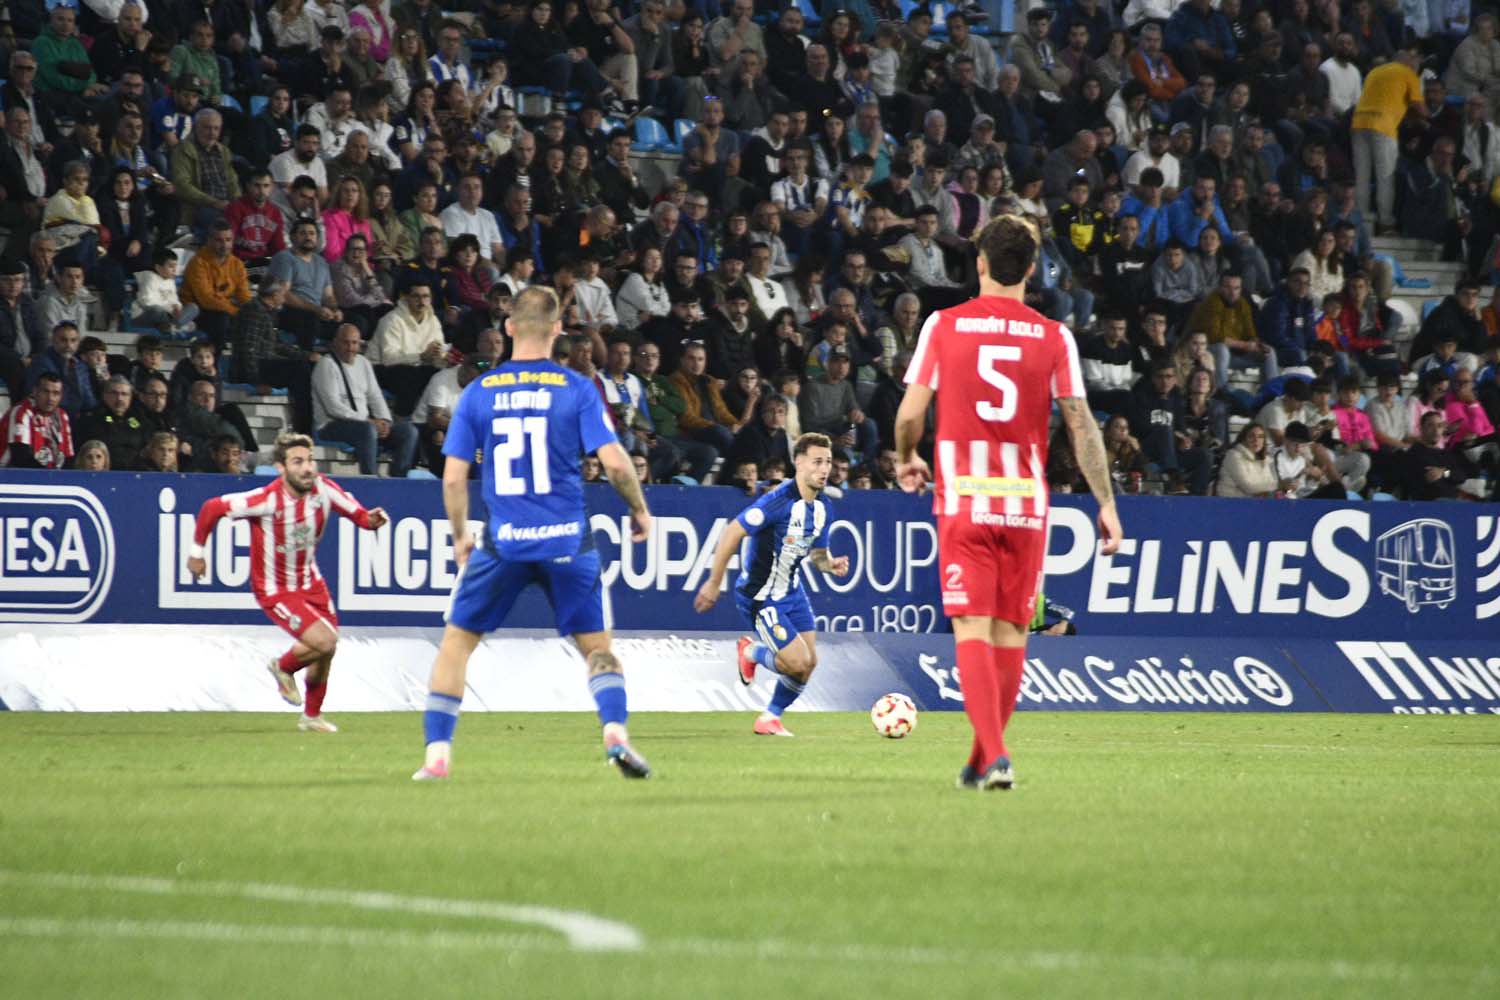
[[1067, 374], [595, 426], [344, 504], [923, 369], [231, 505], [762, 512], [466, 429], [823, 536]]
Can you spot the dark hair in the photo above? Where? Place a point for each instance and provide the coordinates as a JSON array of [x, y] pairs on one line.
[[303, 182], [161, 256], [1151, 177], [49, 377], [1352, 382], [1299, 389], [308, 130], [221, 440], [147, 342], [1009, 245]]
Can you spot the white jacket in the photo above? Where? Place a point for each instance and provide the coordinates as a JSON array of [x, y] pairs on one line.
[[154, 290], [400, 340]]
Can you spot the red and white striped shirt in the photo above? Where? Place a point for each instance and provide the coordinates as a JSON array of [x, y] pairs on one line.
[[1001, 365], [48, 435], [284, 530]]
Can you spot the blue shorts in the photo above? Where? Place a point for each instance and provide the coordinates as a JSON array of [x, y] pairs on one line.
[[487, 588], [778, 622]]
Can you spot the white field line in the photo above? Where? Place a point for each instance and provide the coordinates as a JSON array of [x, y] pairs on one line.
[[583, 931], [252, 935]]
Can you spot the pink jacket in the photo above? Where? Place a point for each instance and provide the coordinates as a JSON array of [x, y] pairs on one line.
[[1470, 418], [339, 226]]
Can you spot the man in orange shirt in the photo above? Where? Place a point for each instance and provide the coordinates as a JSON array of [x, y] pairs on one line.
[[1154, 69], [216, 281], [1392, 91]]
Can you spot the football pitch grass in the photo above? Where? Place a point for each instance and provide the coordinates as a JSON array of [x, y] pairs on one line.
[[227, 855]]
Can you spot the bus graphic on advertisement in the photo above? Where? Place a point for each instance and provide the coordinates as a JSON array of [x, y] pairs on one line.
[[1415, 564]]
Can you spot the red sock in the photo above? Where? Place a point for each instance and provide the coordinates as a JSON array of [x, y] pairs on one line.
[[314, 702], [289, 662], [1009, 666], [976, 677]]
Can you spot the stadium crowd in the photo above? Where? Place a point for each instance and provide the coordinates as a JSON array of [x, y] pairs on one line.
[[359, 192]]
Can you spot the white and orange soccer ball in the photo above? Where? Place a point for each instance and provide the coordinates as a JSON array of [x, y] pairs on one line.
[[893, 716]]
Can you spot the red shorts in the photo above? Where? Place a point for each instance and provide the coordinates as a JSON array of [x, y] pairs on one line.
[[298, 610], [988, 571]]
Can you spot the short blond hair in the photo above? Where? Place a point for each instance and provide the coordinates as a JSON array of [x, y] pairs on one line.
[[534, 312], [807, 442], [286, 442]]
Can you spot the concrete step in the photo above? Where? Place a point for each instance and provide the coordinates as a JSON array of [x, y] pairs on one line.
[[282, 412], [264, 420], [1395, 245]]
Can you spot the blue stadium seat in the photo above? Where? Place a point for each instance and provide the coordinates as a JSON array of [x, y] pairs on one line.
[[1428, 307], [682, 128], [258, 104], [1274, 154], [419, 474], [248, 387], [265, 470], [1381, 496], [810, 14], [343, 446], [649, 135], [225, 101], [1399, 275]]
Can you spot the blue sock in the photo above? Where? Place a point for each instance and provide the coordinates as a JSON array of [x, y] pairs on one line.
[[441, 717], [764, 655], [609, 694], [786, 692]]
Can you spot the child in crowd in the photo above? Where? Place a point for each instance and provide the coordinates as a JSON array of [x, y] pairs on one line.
[[156, 301]]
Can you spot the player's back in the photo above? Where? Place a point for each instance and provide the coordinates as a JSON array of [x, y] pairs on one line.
[[530, 422], [996, 366]]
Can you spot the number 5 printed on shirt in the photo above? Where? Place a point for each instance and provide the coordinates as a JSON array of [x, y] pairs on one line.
[[990, 356]]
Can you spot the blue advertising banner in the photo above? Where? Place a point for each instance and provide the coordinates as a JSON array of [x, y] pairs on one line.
[[111, 547]]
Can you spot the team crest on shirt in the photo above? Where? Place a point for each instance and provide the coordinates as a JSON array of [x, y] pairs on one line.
[[298, 536], [779, 631]]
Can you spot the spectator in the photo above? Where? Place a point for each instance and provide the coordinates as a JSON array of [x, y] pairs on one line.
[[202, 172], [704, 418], [160, 454], [491, 317], [1391, 92], [64, 300], [199, 424], [1390, 417], [311, 311], [21, 330], [643, 293], [259, 230], [259, 357], [1227, 319], [434, 410], [1475, 65], [112, 423], [666, 405], [63, 67], [92, 456], [217, 283], [1176, 282], [828, 406], [1247, 469], [61, 359], [348, 215], [408, 346], [1458, 316], [1157, 421], [272, 132], [1286, 323], [1430, 470], [1297, 474], [36, 432], [156, 300], [625, 397], [348, 406], [358, 289], [1108, 363]]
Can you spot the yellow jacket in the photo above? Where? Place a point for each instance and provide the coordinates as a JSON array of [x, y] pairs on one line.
[[219, 286]]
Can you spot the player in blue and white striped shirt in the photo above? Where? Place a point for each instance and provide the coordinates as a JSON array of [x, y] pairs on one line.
[[788, 525]]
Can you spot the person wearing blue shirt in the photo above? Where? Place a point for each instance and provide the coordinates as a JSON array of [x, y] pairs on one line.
[[528, 423], [1199, 39], [1145, 204], [787, 526], [1194, 211]]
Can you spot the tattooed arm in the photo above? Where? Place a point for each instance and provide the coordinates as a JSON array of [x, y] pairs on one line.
[[1088, 448]]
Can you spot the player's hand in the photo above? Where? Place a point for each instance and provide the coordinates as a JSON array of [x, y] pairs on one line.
[[1110, 531], [707, 597], [839, 565], [913, 476], [463, 547], [378, 518], [641, 522], [197, 566]]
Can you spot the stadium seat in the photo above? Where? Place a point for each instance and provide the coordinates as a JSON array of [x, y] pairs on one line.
[[420, 474], [266, 470], [342, 446], [249, 388], [1429, 307], [682, 128], [1399, 275], [1381, 496], [810, 14], [225, 101], [650, 135], [258, 104]]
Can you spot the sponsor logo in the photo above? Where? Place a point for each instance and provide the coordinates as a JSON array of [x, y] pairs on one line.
[[1487, 562], [1414, 564], [1399, 674], [1029, 522], [57, 553], [536, 532], [994, 486]]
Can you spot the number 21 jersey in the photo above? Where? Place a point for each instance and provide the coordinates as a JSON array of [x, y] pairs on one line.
[[529, 423], [996, 365]]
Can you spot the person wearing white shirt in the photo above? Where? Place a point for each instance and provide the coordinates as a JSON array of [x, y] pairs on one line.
[[1344, 79], [466, 215], [348, 406], [435, 409], [328, 14], [927, 269], [409, 334], [1154, 155], [1137, 11], [1480, 140], [766, 293], [596, 307], [334, 119], [302, 159], [802, 198]]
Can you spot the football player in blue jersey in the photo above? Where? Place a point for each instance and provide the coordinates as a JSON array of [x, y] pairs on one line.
[[530, 421], [786, 526]]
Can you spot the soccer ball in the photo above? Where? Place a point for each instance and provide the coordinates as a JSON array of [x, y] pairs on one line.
[[893, 716]]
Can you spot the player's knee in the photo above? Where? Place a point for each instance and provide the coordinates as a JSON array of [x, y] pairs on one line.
[[321, 643], [603, 661]]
